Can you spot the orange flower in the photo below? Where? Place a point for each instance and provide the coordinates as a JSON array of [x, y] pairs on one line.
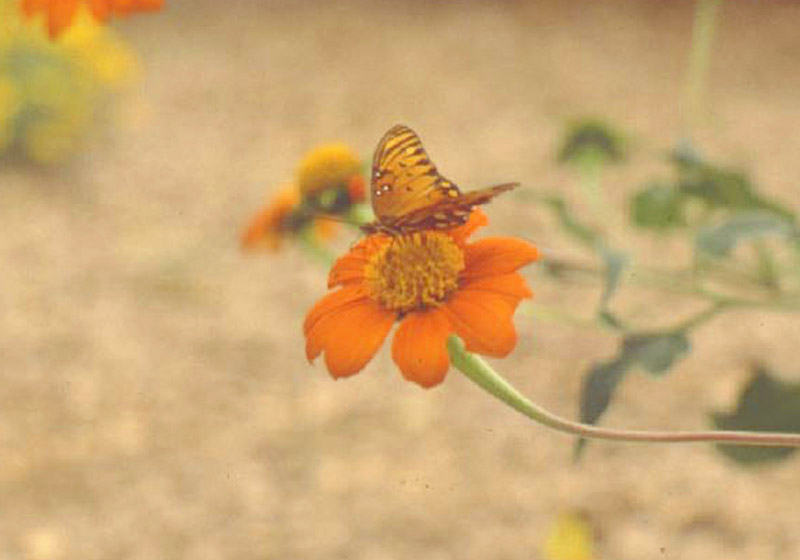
[[331, 179], [434, 284], [357, 189], [61, 13], [283, 216], [273, 221]]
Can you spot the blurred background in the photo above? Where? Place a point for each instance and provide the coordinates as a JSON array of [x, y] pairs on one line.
[[155, 400]]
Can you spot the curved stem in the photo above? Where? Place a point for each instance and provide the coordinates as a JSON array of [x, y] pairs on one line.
[[699, 58], [675, 284], [709, 313], [313, 248], [479, 371]]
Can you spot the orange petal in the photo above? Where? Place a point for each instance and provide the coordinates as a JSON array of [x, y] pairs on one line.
[[483, 320], [266, 228], [349, 334], [348, 268], [59, 14], [510, 286], [420, 347], [325, 230], [496, 256], [331, 303], [261, 231], [100, 9], [476, 220], [30, 7]]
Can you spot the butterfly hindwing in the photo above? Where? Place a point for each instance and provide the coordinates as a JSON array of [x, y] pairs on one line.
[[452, 211]]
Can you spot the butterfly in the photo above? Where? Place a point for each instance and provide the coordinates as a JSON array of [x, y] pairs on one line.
[[409, 194]]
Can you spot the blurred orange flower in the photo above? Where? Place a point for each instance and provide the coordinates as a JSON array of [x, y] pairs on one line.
[[61, 13], [281, 217], [272, 222], [434, 284], [357, 188], [330, 179], [328, 185]]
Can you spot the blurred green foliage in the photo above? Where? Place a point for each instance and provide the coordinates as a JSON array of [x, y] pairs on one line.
[[739, 238], [52, 92], [765, 404], [591, 139]]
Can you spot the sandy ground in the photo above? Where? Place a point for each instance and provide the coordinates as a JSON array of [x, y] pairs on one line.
[[155, 402]]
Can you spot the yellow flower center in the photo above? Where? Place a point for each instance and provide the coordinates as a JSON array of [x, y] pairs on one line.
[[414, 271]]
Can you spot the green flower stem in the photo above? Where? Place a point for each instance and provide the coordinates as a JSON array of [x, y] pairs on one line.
[[707, 314], [360, 214], [681, 284], [705, 17], [559, 315], [315, 250], [479, 371], [590, 169], [767, 269]]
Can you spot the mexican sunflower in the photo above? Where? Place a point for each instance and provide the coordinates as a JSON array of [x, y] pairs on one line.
[[269, 226], [283, 217], [328, 184], [61, 13], [328, 166], [434, 284], [330, 179]]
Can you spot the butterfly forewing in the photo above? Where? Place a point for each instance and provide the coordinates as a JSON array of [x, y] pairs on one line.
[[409, 194], [404, 178]]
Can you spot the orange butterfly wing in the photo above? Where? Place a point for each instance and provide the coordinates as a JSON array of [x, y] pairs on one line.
[[404, 178], [409, 194], [450, 212]]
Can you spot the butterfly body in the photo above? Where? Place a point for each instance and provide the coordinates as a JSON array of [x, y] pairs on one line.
[[408, 192]]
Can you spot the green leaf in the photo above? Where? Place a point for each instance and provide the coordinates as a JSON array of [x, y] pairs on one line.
[[599, 386], [615, 262], [655, 352], [594, 140], [720, 187], [719, 240], [717, 186], [609, 319], [766, 404], [659, 207]]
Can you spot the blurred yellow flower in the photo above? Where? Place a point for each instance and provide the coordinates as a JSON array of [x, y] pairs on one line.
[[329, 185], [103, 54], [60, 14], [9, 107], [570, 538], [51, 93], [327, 166]]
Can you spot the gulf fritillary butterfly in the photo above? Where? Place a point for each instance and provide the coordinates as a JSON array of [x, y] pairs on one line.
[[409, 194]]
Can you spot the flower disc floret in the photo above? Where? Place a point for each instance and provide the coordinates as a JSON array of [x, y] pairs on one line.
[[414, 272]]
